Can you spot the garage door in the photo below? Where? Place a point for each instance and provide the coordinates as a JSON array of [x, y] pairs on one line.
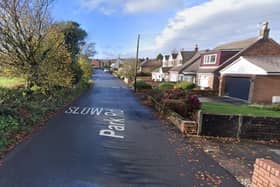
[[237, 87]]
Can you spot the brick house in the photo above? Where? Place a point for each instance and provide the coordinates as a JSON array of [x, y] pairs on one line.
[[253, 74], [213, 61]]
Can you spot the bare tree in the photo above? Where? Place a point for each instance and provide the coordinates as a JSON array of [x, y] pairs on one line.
[[24, 24]]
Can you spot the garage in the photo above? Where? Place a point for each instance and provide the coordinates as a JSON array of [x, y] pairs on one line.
[[238, 87]]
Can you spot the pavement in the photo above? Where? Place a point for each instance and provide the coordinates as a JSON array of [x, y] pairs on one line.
[[107, 138]]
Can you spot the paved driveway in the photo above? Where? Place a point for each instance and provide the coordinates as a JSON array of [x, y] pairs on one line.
[[106, 138], [217, 99]]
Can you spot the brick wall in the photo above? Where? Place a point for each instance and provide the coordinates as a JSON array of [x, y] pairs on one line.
[[266, 173], [264, 88]]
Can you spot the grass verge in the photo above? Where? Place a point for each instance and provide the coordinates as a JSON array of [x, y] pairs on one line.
[[221, 108]]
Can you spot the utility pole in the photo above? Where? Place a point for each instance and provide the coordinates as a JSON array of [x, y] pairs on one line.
[[136, 64]]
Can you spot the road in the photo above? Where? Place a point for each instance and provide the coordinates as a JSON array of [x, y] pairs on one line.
[[107, 138]]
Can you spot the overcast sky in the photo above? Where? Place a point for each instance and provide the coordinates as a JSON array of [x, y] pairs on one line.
[[167, 25]]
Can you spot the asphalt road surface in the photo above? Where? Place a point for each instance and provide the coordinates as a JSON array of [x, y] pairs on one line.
[[107, 138]]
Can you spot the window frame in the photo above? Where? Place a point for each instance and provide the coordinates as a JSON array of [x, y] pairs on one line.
[[207, 59]]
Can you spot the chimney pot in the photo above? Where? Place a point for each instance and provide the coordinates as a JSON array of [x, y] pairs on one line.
[[196, 48], [264, 32]]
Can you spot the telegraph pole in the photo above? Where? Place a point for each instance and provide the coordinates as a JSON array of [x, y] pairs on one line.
[[136, 64]]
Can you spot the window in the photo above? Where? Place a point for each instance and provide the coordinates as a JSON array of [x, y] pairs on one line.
[[210, 59]]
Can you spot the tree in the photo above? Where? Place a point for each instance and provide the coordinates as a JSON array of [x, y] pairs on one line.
[[85, 65], [89, 50], [56, 70], [24, 24], [160, 57], [128, 69], [74, 37]]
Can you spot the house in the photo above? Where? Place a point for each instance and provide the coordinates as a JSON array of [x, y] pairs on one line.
[[148, 65], [189, 70], [255, 79], [213, 61], [161, 74], [181, 58], [96, 63], [117, 64], [166, 62]]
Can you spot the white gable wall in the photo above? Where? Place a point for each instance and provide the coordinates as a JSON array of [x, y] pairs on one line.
[[242, 66]]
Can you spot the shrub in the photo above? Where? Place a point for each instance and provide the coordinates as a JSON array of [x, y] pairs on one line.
[[186, 106], [142, 85], [157, 94], [8, 126], [178, 106], [276, 107], [185, 85], [166, 85], [193, 103], [174, 94]]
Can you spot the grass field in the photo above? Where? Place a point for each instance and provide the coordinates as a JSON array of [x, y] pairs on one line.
[[7, 82], [219, 108]]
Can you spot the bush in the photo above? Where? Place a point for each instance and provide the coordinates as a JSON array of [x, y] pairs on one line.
[[174, 94], [185, 85], [186, 106], [276, 107], [142, 85], [8, 126], [178, 106], [166, 85], [193, 103]]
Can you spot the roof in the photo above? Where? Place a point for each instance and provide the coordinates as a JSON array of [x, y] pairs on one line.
[[187, 55], [270, 64], [174, 55], [150, 63], [237, 55], [241, 45], [166, 69], [193, 67], [237, 45], [166, 57]]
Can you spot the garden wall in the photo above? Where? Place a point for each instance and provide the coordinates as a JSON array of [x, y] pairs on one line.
[[262, 128]]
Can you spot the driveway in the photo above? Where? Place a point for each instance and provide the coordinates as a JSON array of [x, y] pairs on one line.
[[228, 100], [107, 138]]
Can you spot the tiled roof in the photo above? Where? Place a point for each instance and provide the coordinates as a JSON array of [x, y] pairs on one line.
[[166, 69], [237, 45], [270, 64], [151, 63]]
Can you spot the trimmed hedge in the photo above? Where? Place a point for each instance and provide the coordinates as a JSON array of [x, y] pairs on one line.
[[142, 85], [166, 85], [185, 85]]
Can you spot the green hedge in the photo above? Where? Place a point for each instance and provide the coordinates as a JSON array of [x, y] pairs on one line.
[[185, 85], [166, 85], [142, 85]]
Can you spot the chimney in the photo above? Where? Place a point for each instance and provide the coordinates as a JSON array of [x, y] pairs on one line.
[[264, 32], [196, 48]]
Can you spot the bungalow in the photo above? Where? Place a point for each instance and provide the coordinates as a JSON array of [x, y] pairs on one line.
[[181, 59], [255, 79], [147, 66], [212, 62]]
